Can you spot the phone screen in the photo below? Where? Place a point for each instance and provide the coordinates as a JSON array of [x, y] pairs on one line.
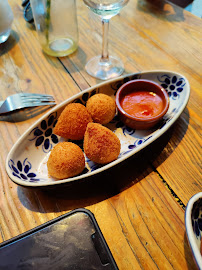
[[72, 242]]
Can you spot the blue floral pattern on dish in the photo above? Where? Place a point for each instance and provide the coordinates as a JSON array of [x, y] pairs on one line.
[[138, 142], [173, 85], [197, 218], [85, 97], [43, 134], [22, 170], [115, 86]]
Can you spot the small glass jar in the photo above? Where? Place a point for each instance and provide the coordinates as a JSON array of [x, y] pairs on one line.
[[6, 19], [56, 25]]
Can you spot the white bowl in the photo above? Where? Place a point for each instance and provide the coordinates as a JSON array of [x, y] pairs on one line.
[[193, 224]]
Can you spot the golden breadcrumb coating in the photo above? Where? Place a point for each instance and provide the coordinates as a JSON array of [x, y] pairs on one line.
[[72, 122], [102, 108], [101, 145], [66, 160]]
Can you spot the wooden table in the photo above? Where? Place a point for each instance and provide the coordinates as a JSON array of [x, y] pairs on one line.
[[140, 204]]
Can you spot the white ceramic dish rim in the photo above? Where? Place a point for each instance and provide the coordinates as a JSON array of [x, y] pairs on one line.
[[57, 107], [189, 229]]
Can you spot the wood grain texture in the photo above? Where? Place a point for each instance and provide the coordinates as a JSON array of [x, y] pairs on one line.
[[139, 204]]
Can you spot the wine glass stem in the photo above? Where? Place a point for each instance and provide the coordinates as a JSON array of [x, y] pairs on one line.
[[105, 29]]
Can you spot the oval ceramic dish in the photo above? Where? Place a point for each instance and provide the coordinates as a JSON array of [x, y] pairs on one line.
[[193, 224], [26, 161]]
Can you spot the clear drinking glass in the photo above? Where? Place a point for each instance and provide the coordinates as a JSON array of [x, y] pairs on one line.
[[105, 67], [56, 25], [6, 19]]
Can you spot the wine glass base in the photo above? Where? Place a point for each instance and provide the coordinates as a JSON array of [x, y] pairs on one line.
[[104, 70]]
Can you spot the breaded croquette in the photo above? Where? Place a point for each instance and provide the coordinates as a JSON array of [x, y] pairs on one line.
[[72, 122], [101, 145], [102, 108], [66, 160]]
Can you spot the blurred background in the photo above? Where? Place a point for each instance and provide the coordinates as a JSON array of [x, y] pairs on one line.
[[193, 6]]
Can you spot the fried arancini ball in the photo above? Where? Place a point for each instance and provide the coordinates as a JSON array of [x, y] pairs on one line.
[[72, 122], [66, 160], [101, 145], [102, 108]]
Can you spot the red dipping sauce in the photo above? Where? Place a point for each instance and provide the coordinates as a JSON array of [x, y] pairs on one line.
[[142, 104]]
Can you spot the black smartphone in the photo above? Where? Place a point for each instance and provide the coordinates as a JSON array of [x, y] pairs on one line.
[[72, 241]]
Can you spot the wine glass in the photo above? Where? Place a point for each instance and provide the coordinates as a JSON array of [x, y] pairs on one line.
[[105, 67]]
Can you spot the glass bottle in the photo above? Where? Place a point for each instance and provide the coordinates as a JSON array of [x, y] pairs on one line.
[[56, 25], [6, 19]]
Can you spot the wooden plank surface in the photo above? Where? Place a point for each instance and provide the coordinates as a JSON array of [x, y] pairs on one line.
[[139, 204]]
